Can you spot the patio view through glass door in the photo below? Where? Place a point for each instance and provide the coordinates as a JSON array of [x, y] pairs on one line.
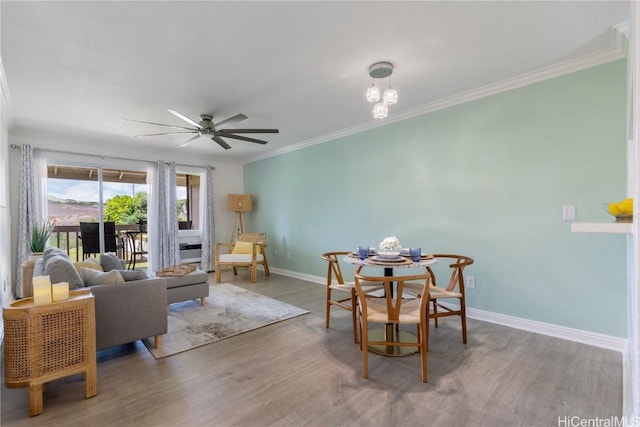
[[88, 194]]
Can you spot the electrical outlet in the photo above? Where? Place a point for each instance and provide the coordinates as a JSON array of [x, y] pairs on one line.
[[275, 253], [568, 213], [471, 282], [288, 255]]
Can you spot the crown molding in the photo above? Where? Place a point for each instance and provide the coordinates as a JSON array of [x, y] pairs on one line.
[[617, 50]]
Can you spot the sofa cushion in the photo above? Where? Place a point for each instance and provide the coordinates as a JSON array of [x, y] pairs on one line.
[[129, 275], [111, 262], [239, 257], [60, 269], [245, 248], [95, 277], [52, 251], [86, 264], [197, 276]]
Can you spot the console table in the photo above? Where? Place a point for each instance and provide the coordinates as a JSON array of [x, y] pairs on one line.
[[46, 342]]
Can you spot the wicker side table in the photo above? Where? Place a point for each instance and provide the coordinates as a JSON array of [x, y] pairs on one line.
[[45, 342]]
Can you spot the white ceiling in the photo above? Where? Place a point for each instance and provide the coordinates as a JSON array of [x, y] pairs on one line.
[[301, 67]]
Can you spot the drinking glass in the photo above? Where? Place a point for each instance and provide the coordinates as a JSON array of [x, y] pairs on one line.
[[415, 253], [363, 251]]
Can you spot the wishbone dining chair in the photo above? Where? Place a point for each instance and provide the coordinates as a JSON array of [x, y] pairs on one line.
[[335, 282], [453, 290], [393, 311]]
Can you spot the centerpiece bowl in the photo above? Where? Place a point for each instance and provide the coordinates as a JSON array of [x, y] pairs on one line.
[[389, 254]]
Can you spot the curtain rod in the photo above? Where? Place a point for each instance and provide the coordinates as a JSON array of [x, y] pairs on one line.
[[16, 146]]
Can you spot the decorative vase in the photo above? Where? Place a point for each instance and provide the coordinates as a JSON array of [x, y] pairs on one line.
[[35, 256]]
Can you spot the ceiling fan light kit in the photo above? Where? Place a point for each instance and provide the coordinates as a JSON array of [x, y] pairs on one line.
[[378, 72], [206, 128]]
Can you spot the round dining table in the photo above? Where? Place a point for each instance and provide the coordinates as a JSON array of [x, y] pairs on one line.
[[389, 331]]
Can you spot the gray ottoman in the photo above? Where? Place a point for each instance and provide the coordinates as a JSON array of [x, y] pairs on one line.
[[190, 286]]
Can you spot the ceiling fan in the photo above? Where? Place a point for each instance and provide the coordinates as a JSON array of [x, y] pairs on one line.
[[208, 129]]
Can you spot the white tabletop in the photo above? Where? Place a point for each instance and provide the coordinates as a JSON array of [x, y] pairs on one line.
[[370, 262]]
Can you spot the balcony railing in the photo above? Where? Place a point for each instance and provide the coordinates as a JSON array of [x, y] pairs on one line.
[[67, 238]]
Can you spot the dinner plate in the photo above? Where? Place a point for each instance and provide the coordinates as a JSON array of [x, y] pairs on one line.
[[381, 259], [405, 252]]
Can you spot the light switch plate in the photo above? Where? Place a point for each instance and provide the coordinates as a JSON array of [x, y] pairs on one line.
[[569, 213]]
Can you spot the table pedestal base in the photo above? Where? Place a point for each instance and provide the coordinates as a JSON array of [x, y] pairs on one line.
[[391, 350]]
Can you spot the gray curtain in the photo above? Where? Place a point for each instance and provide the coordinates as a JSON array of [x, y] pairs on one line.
[[162, 226], [32, 206], [208, 230], [171, 237]]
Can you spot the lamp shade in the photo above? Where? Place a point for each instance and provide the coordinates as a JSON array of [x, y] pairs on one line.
[[239, 202], [390, 96], [380, 110], [373, 94]]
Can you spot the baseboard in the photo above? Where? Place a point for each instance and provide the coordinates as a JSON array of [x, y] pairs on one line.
[[570, 334], [563, 332]]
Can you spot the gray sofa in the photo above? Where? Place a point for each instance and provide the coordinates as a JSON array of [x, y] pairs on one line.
[[125, 312]]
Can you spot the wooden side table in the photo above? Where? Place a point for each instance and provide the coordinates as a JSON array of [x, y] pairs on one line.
[[43, 343]]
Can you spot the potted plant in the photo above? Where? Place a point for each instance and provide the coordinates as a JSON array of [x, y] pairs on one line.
[[40, 233]]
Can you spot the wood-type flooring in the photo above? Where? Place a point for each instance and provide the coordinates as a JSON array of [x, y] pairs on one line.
[[297, 373]]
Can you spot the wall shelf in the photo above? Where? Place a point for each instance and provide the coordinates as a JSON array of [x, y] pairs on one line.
[[601, 227]]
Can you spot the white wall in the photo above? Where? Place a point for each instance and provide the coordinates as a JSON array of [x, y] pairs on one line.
[[5, 220]]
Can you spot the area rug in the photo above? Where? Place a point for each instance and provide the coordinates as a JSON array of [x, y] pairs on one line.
[[230, 310]]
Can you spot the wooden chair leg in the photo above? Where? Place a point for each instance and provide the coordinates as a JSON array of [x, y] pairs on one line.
[[158, 341], [354, 314], [217, 267], [463, 316], [435, 313], [203, 301], [266, 267], [422, 340], [328, 309], [364, 344]]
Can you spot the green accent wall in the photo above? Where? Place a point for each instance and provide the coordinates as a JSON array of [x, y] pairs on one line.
[[487, 179]]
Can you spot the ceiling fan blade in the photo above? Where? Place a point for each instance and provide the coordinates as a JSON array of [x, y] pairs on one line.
[[231, 120], [188, 141], [185, 118], [228, 131], [244, 138], [157, 124], [221, 142], [167, 133]]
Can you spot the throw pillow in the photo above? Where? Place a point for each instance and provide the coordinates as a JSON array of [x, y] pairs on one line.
[[245, 248], [86, 264], [95, 277], [111, 262], [52, 251], [61, 269], [129, 275]]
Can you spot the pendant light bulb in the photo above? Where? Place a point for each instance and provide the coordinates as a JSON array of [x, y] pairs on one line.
[[373, 94], [390, 96], [380, 110]]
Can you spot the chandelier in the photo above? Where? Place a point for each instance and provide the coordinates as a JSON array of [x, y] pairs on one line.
[[382, 100]]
